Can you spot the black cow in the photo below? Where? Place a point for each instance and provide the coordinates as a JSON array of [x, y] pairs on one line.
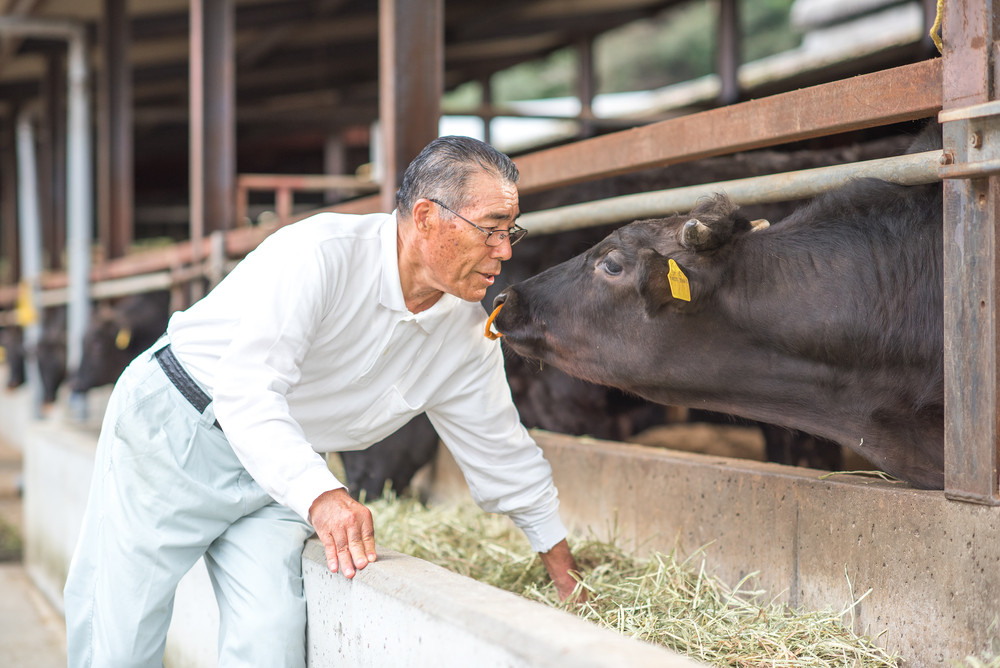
[[50, 353], [117, 334], [12, 343], [549, 399], [830, 321], [395, 459]]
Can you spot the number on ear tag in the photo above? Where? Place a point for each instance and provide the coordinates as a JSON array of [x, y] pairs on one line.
[[679, 286]]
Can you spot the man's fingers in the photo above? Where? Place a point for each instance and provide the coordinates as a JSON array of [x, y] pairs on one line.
[[346, 562], [368, 542], [332, 562]]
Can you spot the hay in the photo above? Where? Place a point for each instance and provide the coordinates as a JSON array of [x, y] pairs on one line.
[[660, 599]]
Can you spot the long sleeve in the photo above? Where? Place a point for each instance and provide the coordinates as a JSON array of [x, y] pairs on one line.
[[504, 467]]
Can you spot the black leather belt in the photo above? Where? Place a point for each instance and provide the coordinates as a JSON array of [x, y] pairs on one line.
[[184, 383]]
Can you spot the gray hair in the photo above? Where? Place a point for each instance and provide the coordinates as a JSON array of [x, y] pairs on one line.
[[444, 167]]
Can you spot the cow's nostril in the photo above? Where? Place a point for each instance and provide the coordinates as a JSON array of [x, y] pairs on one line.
[[500, 299]]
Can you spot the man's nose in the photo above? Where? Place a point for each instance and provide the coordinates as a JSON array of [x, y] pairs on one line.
[[502, 252]]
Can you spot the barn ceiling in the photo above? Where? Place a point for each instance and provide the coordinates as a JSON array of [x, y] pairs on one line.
[[312, 62]]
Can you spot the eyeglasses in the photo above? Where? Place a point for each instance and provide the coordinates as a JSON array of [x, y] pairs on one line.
[[493, 237]]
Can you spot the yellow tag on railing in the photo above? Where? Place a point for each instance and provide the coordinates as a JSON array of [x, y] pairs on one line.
[[123, 338], [679, 286], [25, 313]]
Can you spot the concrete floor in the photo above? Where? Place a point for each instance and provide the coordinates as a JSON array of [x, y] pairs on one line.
[[32, 631]]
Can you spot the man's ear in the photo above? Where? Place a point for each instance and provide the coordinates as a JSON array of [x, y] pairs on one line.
[[661, 281], [422, 213]]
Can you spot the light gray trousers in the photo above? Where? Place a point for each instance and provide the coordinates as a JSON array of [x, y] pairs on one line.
[[167, 490]]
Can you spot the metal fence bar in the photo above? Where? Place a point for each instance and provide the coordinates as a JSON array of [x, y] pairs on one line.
[[903, 93], [914, 169]]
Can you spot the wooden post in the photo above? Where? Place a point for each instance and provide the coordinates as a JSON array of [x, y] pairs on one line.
[[728, 51], [411, 81], [115, 158], [971, 214]]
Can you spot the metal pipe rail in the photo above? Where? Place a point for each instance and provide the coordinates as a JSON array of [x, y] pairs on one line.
[[284, 185], [909, 170]]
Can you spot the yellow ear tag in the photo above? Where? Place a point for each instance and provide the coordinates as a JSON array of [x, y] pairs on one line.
[[3, 355], [679, 286], [25, 312], [123, 338]]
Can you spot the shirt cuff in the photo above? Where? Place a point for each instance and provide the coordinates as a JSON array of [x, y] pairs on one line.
[[543, 535], [307, 488]]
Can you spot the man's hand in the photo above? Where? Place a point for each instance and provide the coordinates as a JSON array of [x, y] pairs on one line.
[[561, 565], [346, 529]]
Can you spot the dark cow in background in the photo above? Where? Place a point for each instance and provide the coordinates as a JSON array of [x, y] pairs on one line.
[[116, 334], [829, 321], [51, 352], [12, 343]]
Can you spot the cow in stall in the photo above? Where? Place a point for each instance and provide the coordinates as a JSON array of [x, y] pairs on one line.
[[547, 398], [117, 334], [50, 353], [12, 355], [828, 321]]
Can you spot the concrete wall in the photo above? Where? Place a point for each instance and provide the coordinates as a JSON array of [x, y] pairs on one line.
[[933, 565], [402, 611]]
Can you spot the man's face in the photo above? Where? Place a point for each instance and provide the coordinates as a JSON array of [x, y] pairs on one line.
[[458, 258]]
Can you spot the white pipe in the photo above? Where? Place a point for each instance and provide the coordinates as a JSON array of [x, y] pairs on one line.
[[30, 229], [79, 180], [914, 169]]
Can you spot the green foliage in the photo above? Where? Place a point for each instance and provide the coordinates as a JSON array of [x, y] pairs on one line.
[[675, 46]]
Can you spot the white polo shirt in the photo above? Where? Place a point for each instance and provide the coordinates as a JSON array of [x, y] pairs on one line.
[[307, 346]]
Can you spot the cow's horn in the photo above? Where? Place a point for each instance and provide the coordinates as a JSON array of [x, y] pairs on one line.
[[696, 234], [759, 224]]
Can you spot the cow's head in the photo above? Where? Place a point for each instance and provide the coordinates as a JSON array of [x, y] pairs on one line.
[[599, 315]]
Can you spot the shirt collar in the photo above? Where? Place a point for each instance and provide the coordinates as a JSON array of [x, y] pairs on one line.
[[390, 289]]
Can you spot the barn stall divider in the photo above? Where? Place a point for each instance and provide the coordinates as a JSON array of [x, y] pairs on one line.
[[932, 562]]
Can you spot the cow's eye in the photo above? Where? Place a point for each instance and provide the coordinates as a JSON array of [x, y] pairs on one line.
[[610, 266]]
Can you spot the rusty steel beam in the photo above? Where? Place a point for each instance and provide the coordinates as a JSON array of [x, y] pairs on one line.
[[411, 82], [220, 115], [971, 272], [57, 124], [115, 159], [9, 240], [889, 96], [728, 51]]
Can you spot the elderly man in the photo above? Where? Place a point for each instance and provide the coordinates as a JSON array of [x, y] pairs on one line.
[[329, 336]]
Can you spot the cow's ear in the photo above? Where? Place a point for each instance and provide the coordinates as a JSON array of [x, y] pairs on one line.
[[662, 282], [713, 223]]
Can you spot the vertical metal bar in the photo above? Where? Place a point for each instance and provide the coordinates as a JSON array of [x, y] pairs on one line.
[[334, 162], [79, 200], [411, 81], [51, 253], [57, 71], [116, 191], [971, 214], [9, 242], [586, 85], [283, 204], [486, 84], [29, 222], [242, 198], [728, 56], [196, 131], [219, 98]]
